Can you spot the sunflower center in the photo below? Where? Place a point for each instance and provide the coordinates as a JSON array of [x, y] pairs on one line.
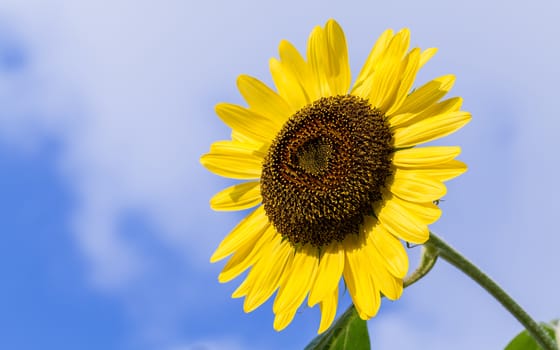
[[313, 157], [325, 169]]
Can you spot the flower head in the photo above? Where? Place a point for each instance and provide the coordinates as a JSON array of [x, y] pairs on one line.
[[334, 173]]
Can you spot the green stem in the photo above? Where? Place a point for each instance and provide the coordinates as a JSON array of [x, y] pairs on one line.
[[454, 258], [427, 261]]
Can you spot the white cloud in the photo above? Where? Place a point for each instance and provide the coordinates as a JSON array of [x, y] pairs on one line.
[[127, 113]]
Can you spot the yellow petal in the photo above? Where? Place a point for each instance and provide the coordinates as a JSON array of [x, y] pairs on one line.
[[401, 223], [234, 167], [359, 281], [411, 65], [317, 56], [227, 147], [247, 232], [237, 197], [426, 55], [289, 86], [445, 171], [234, 159], [371, 62], [389, 247], [297, 280], [427, 212], [329, 272], [262, 100], [415, 187], [241, 260], [283, 319], [426, 95], [338, 67], [294, 63], [254, 125], [424, 157], [253, 281], [389, 285], [242, 290], [237, 136], [388, 72], [266, 275], [430, 129], [328, 310], [385, 82], [398, 46], [245, 256], [450, 105]]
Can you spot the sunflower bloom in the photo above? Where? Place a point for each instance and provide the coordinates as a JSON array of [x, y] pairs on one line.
[[334, 172]]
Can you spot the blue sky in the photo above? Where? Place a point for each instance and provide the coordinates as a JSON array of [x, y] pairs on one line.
[[105, 108]]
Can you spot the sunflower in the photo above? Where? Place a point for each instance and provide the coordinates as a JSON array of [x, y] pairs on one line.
[[334, 173]]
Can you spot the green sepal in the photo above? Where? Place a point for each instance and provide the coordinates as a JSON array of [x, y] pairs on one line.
[[350, 332]]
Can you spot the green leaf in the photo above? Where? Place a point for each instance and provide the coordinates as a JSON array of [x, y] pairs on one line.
[[523, 341], [348, 333]]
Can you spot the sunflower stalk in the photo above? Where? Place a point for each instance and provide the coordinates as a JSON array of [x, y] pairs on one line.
[[437, 246], [427, 261]]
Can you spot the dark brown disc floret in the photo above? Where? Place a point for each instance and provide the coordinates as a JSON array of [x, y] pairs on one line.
[[325, 169]]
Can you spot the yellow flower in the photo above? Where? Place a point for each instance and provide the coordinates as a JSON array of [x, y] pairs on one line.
[[334, 172]]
